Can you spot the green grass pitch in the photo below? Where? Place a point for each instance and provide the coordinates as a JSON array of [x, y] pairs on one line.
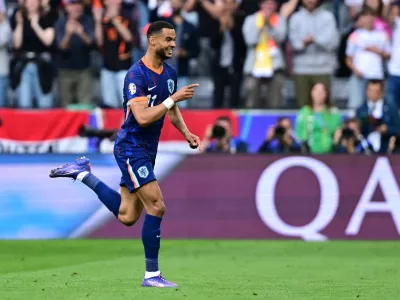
[[113, 269]]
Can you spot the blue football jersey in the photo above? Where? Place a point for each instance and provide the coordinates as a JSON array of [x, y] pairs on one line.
[[143, 83]]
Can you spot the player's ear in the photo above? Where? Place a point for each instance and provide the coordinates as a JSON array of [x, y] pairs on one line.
[[152, 40]]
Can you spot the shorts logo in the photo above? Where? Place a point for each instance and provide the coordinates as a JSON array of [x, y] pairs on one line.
[[171, 85], [132, 88], [143, 172]]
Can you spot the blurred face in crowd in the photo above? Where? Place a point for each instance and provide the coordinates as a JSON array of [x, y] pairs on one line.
[[74, 10], [395, 11], [366, 21], [32, 6], [164, 43], [287, 124], [374, 91], [319, 94], [177, 5], [310, 5], [230, 6], [227, 125], [268, 7], [374, 4]]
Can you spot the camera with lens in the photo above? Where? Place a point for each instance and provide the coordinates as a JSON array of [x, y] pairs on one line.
[[348, 134], [89, 132], [218, 132], [280, 132]]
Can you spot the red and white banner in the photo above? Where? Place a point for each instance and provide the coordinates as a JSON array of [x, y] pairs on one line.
[[28, 131], [43, 131]]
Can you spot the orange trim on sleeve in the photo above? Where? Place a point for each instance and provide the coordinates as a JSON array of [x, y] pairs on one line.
[[151, 68], [137, 99]]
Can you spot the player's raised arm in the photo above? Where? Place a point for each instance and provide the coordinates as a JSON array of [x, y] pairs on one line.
[[146, 115]]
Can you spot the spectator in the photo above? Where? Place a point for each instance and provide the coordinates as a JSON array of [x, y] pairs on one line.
[[5, 38], [379, 118], [394, 63], [32, 69], [114, 38], [159, 9], [349, 139], [187, 45], [228, 44], [381, 9], [264, 33], [314, 39], [280, 138], [317, 122], [394, 145], [219, 139], [209, 11], [75, 39], [366, 50]]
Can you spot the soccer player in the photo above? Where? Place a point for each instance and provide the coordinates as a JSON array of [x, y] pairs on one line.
[[149, 95]]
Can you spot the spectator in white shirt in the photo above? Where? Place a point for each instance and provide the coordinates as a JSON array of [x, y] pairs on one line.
[[393, 92], [366, 51]]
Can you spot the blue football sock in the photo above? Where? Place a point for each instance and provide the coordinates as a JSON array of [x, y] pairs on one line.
[[151, 235], [110, 198]]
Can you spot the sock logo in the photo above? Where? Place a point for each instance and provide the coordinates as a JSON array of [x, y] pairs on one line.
[[158, 236], [143, 172]]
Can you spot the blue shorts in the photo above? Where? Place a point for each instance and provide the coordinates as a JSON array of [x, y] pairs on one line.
[[137, 170]]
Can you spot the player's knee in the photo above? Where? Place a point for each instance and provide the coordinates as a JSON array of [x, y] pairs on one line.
[[127, 220], [158, 207]]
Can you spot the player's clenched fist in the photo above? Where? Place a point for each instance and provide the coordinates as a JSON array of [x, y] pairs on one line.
[[184, 93]]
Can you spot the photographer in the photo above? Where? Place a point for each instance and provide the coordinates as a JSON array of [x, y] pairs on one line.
[[350, 140], [280, 139], [219, 139]]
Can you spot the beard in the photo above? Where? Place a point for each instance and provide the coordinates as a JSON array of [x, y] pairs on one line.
[[161, 53]]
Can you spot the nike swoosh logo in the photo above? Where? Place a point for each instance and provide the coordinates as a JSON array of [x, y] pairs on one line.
[[152, 88], [71, 172], [158, 236]]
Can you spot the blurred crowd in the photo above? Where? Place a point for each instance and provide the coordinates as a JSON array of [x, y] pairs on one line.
[[51, 51], [321, 129]]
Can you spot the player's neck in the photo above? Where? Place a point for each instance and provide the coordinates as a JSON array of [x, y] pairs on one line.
[[153, 60]]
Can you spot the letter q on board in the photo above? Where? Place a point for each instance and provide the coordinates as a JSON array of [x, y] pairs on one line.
[[329, 202]]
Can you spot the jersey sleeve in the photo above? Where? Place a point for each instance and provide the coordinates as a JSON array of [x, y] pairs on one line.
[[135, 86]]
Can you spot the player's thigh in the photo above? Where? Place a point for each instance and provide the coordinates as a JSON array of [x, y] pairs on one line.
[[138, 176], [152, 198], [131, 206]]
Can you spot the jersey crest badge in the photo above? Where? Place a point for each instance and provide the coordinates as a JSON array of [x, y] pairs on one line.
[[132, 88], [143, 172], [171, 85]]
